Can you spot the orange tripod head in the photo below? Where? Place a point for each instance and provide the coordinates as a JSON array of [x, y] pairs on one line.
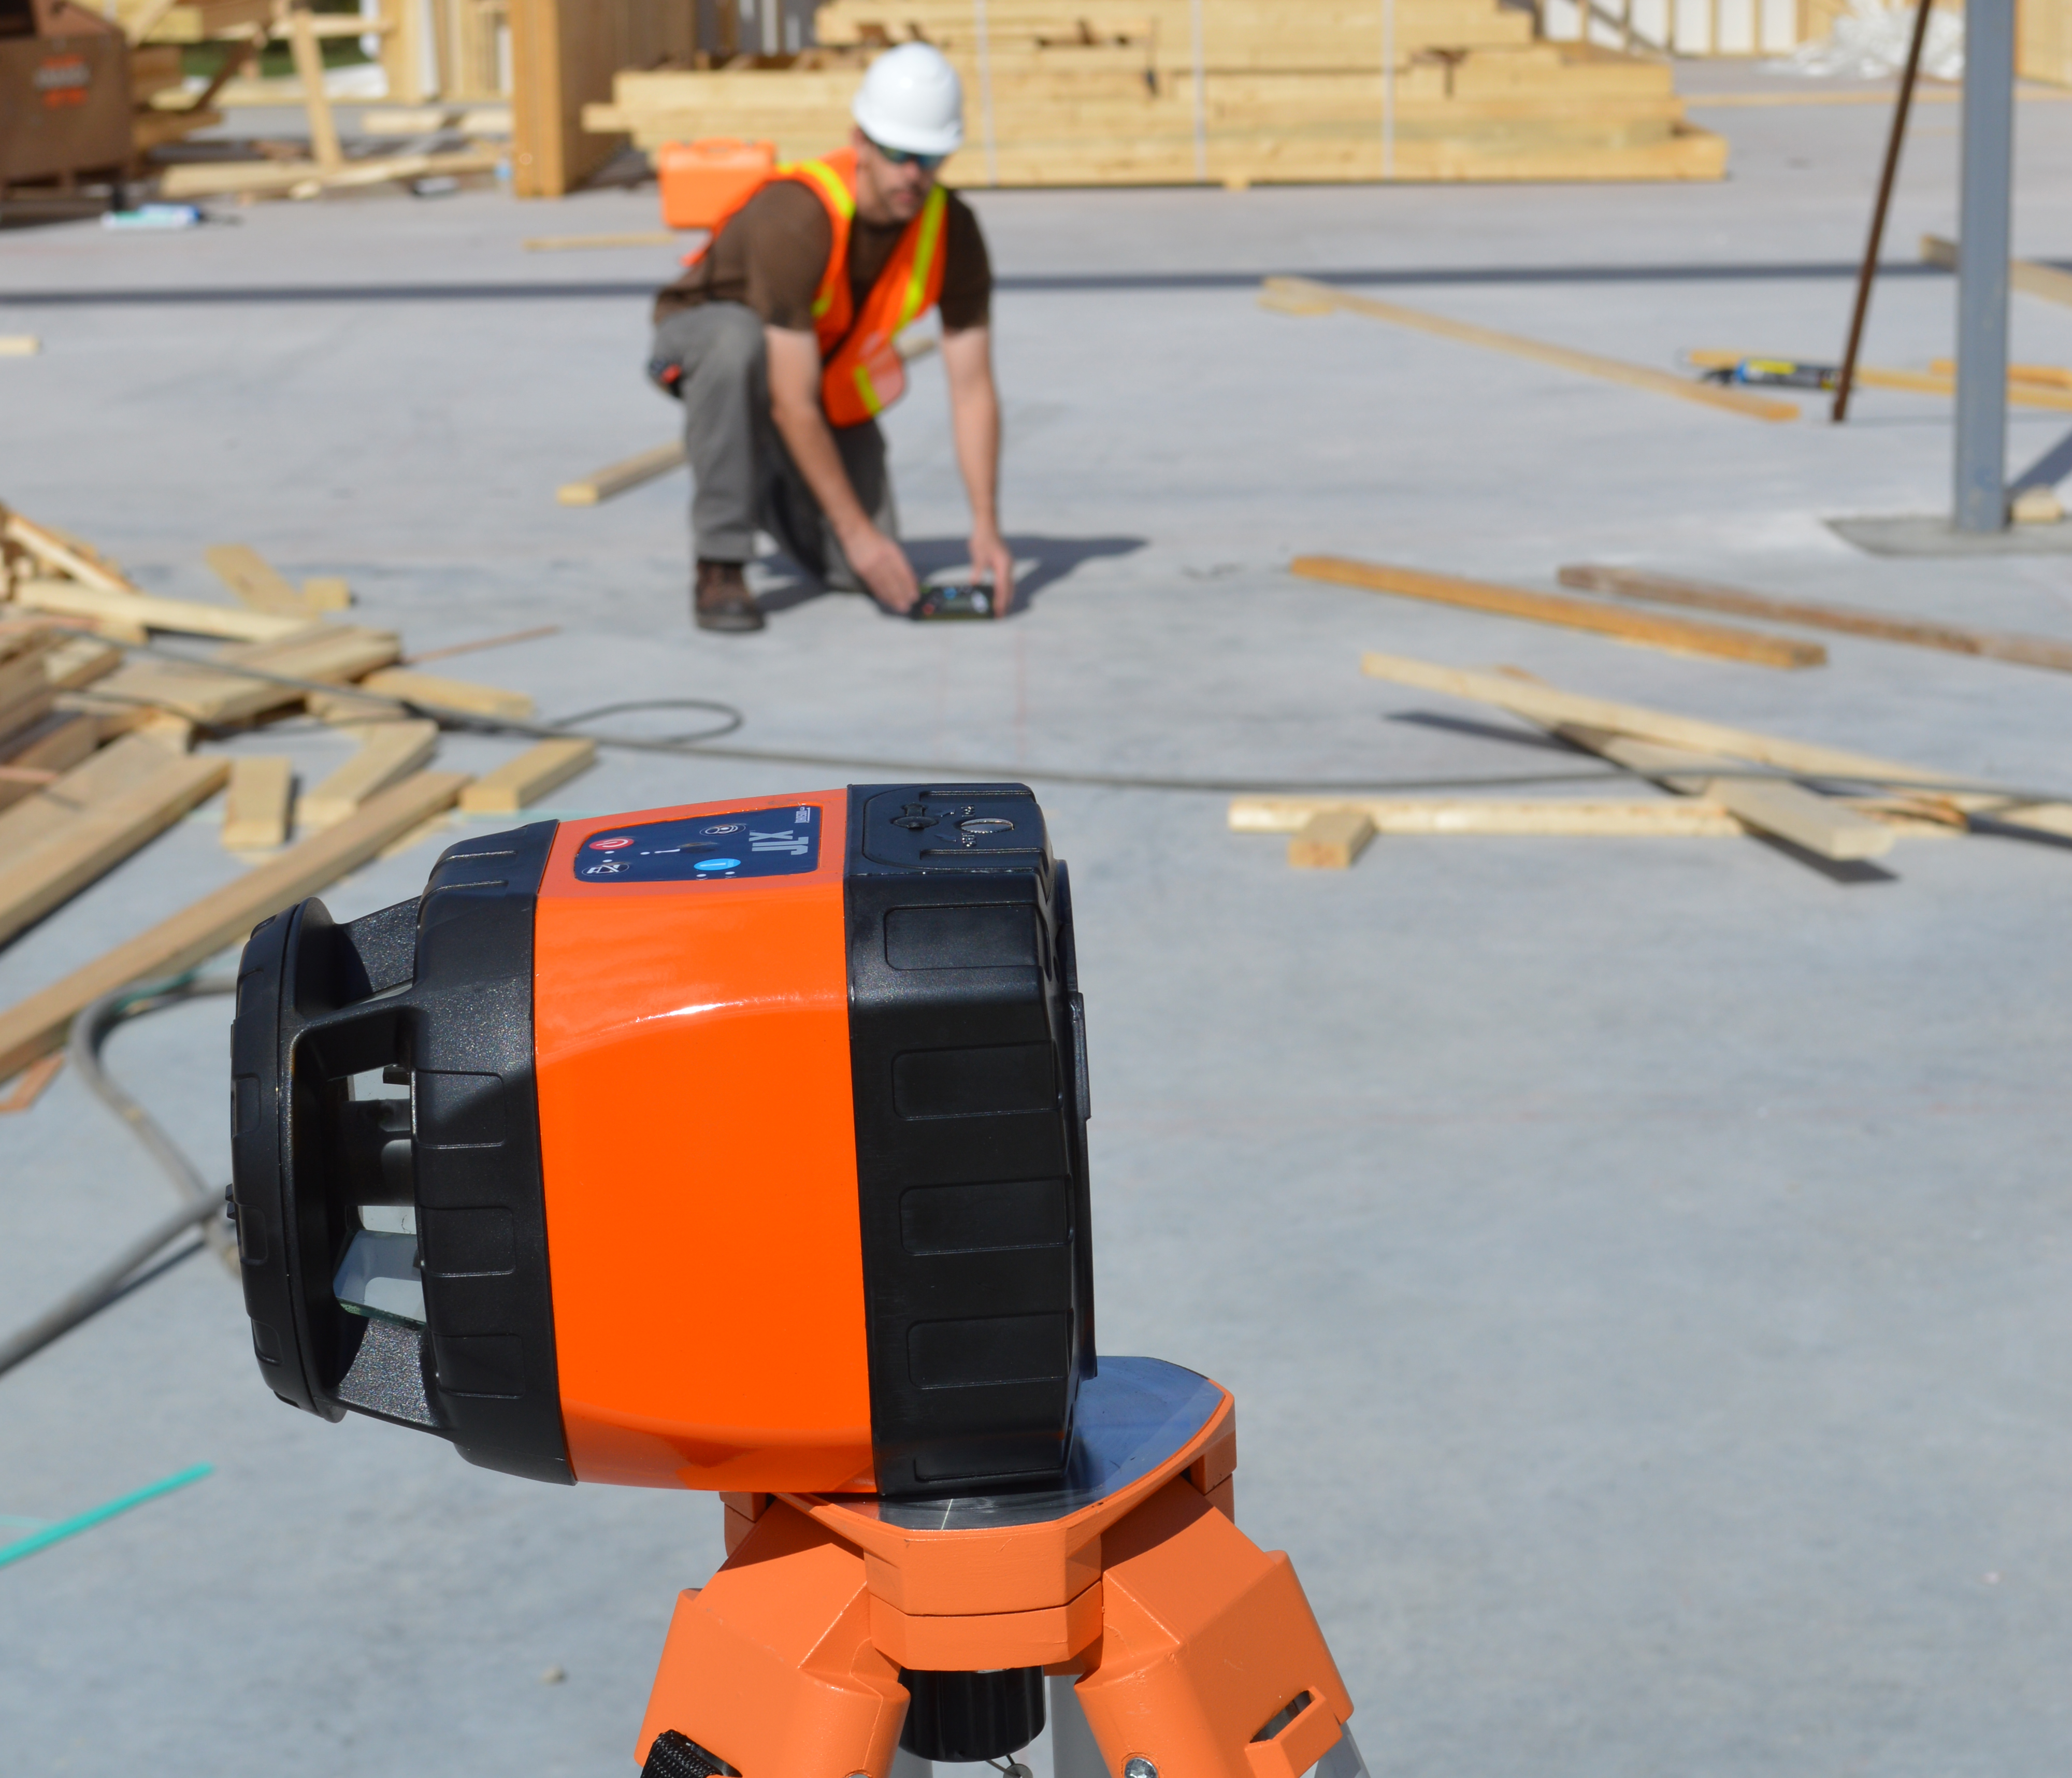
[[735, 1147]]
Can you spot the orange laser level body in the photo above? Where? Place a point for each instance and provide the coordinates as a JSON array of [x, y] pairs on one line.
[[741, 1146]]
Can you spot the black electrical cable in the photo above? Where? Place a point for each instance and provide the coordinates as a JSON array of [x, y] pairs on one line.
[[141, 1261], [700, 747]]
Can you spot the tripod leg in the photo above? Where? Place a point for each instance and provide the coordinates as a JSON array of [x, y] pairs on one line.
[[1212, 1664], [1343, 1760], [771, 1666], [1074, 1751]]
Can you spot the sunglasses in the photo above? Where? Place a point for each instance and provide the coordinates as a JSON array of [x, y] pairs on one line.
[[900, 157]]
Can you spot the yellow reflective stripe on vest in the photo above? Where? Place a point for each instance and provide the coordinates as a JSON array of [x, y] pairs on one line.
[[867, 391], [925, 249], [829, 185]]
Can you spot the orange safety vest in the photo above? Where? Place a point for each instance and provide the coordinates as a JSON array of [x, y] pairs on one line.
[[862, 372]]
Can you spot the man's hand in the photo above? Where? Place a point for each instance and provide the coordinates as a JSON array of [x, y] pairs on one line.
[[990, 555], [882, 567]]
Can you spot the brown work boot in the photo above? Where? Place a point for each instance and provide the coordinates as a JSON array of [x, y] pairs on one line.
[[722, 601]]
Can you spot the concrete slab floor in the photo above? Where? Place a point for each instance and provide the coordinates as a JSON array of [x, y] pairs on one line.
[[1639, 1262]]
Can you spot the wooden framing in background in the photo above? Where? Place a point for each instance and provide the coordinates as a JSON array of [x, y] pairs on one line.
[[563, 55]]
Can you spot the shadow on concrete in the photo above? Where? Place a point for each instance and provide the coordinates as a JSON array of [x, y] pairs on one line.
[[1056, 559]]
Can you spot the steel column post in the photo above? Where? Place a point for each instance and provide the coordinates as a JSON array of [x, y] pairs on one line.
[[1983, 246]]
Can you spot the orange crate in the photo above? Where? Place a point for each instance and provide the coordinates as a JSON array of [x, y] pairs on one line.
[[705, 182]]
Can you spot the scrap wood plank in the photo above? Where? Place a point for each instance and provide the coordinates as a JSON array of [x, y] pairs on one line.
[[1306, 296], [387, 751], [2028, 651], [1330, 840], [464, 695], [326, 593], [1649, 816], [70, 557], [520, 782], [2051, 376], [214, 694], [1548, 705], [255, 582], [1819, 824], [97, 838], [1676, 635], [39, 1025], [79, 660], [2027, 275], [24, 710], [601, 484], [256, 812], [112, 772], [147, 611], [60, 741]]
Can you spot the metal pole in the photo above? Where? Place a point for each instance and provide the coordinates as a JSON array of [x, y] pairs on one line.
[[1847, 374], [1983, 247]]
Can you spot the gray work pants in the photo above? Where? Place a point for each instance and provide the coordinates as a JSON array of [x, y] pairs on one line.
[[743, 478]]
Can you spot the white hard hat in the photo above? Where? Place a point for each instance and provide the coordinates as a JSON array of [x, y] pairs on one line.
[[912, 99]]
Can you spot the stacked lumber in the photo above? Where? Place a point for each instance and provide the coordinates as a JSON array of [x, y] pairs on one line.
[[104, 745], [1066, 96]]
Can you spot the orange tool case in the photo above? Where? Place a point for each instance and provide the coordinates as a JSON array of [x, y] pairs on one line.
[[739, 1146], [704, 182]]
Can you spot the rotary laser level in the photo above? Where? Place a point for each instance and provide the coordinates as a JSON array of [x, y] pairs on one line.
[[741, 1147]]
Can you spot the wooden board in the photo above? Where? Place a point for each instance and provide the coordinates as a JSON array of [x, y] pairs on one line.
[[1931, 381], [256, 812], [1306, 296], [326, 593], [1330, 840], [2026, 275], [214, 696], [464, 695], [97, 835], [1548, 705], [518, 783], [601, 484], [66, 555], [388, 751], [143, 611], [39, 1025], [2028, 651], [60, 741], [255, 582], [1716, 641], [1821, 824], [79, 660], [1654, 817]]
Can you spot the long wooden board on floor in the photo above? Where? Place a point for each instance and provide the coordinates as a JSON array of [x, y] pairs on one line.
[[1306, 296], [1930, 382], [1549, 705], [2025, 275], [92, 839], [2027, 651], [1678, 636], [601, 484], [1654, 817], [39, 1025], [57, 743]]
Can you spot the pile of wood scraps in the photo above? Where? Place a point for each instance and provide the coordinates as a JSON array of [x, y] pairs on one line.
[[451, 144], [99, 754], [1838, 806]]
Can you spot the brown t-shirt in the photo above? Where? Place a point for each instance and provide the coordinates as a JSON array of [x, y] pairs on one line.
[[772, 251]]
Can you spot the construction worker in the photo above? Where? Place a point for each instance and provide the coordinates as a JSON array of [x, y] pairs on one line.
[[780, 341]]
